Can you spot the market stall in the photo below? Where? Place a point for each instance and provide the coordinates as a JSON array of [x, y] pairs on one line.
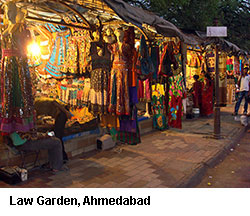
[[93, 59]]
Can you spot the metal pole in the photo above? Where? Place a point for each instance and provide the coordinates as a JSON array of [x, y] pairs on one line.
[[217, 97]]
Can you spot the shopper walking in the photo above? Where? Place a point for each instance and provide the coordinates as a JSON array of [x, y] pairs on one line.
[[244, 85]]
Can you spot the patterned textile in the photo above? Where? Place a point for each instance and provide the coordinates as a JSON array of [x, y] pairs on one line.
[[210, 60], [72, 92], [17, 109], [175, 101], [56, 62], [223, 78], [144, 90], [77, 53], [193, 65], [129, 129], [119, 89], [158, 106], [167, 59], [100, 67]]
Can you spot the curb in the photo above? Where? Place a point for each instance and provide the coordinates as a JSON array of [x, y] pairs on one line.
[[196, 176]]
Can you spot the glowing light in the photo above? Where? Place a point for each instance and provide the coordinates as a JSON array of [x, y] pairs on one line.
[[34, 50]]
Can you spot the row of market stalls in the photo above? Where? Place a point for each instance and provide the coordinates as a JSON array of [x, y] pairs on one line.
[[112, 65]]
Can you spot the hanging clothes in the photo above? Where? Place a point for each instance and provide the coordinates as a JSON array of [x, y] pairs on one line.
[[158, 106], [147, 70], [119, 89], [167, 59], [222, 78], [99, 78], [210, 61], [17, 108], [175, 101], [59, 51], [77, 53], [155, 57], [129, 128]]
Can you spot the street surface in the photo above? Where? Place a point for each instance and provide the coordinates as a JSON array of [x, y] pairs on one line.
[[172, 158], [234, 171]]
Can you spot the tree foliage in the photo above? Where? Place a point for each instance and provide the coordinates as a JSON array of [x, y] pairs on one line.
[[198, 14]]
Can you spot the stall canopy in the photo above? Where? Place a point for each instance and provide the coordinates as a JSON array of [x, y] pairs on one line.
[[138, 17], [83, 14], [203, 40]]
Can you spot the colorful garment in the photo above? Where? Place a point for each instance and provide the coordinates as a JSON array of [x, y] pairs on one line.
[[222, 78], [167, 59], [175, 101], [158, 106], [119, 89], [17, 108], [77, 53], [193, 66], [129, 129], [59, 51], [99, 78], [210, 61]]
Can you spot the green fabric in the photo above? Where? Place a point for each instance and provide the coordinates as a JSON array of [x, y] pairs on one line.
[[113, 133], [16, 139]]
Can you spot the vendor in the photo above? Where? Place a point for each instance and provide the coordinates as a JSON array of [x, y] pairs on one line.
[[46, 106], [33, 141]]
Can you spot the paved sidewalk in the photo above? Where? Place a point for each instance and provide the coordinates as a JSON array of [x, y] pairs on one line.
[[172, 158]]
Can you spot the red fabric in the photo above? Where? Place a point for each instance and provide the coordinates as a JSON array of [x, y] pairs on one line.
[[207, 98], [140, 90], [197, 94], [172, 121], [168, 50]]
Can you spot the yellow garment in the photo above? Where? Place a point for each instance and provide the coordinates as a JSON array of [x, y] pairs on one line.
[[110, 121]]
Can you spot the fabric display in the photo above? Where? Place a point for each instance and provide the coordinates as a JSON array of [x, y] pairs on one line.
[[236, 65], [167, 59], [99, 78], [158, 106], [80, 115], [155, 58], [71, 92], [59, 51], [17, 109], [230, 67], [176, 90], [128, 124], [223, 78], [210, 61], [78, 51], [129, 129], [119, 89]]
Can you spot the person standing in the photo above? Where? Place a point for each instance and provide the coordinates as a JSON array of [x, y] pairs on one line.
[[197, 92], [244, 84]]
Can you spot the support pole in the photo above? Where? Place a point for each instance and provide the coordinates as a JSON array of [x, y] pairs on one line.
[[217, 96]]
